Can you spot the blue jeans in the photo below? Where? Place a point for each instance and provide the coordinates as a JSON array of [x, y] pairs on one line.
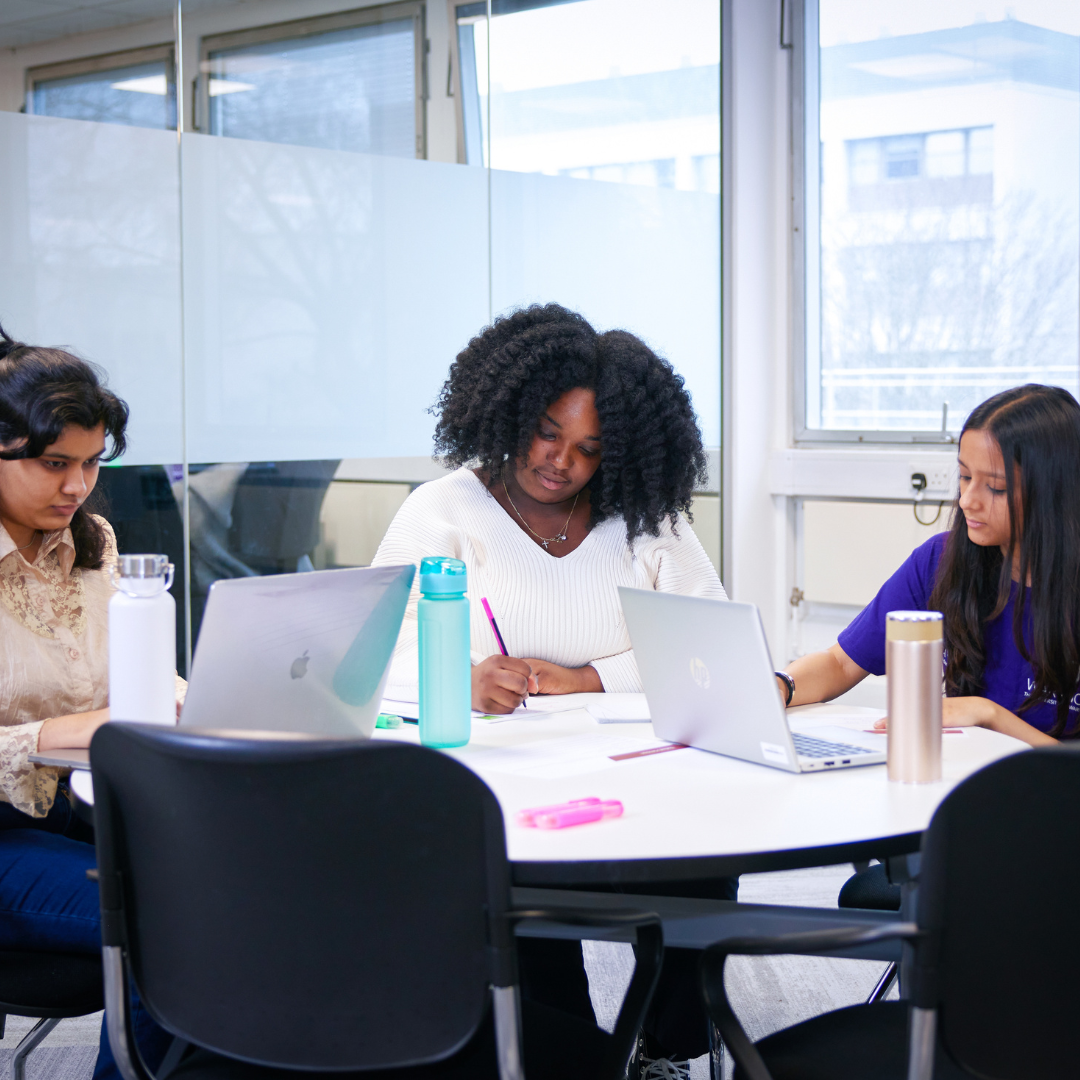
[[47, 904]]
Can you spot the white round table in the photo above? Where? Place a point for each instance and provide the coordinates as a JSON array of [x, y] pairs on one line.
[[692, 814]]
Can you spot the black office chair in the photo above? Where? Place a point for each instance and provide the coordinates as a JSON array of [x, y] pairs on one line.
[[296, 907], [871, 888], [275, 513], [993, 972], [50, 987]]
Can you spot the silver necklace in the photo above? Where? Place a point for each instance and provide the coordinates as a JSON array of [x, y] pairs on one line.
[[31, 544], [545, 540]]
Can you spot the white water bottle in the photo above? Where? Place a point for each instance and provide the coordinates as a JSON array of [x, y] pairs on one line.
[[142, 641]]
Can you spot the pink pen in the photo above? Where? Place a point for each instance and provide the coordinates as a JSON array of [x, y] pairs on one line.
[[528, 817], [580, 815], [498, 638]]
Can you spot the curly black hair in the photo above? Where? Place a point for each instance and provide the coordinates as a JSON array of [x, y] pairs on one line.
[[499, 385]]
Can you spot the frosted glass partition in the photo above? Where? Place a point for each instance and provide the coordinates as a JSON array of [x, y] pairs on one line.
[[326, 294], [90, 234], [643, 259]]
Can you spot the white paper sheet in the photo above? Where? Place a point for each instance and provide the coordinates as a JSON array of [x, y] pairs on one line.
[[604, 708], [549, 759]]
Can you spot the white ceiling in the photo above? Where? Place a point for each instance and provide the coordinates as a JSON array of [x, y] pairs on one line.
[[27, 22]]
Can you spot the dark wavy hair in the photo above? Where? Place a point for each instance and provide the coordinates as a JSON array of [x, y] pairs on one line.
[[43, 391], [1037, 429], [502, 381]]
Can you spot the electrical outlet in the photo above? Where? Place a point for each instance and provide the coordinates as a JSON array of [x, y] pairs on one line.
[[940, 479]]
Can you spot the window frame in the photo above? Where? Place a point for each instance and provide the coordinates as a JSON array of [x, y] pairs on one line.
[[806, 241], [453, 81], [319, 24], [92, 65]]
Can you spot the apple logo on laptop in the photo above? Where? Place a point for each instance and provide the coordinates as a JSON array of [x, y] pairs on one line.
[[299, 666], [699, 673]]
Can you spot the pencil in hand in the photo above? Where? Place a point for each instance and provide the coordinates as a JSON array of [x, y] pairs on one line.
[[498, 638]]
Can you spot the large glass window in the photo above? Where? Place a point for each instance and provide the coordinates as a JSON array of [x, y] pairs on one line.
[[137, 88], [941, 157], [344, 82], [614, 90]]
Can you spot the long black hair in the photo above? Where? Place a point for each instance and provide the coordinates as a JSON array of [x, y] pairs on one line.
[[1037, 429], [504, 379], [43, 391]]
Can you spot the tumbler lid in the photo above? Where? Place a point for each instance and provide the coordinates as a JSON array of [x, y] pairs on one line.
[[142, 575], [143, 566], [914, 626], [441, 575]]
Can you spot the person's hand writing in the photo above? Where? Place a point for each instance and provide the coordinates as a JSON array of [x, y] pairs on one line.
[[501, 683], [553, 679]]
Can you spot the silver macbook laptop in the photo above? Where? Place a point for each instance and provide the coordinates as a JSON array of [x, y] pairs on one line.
[[297, 652], [708, 678]]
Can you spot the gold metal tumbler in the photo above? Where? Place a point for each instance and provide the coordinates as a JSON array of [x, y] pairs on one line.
[[913, 653]]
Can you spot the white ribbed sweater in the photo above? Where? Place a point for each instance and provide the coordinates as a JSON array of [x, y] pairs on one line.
[[566, 610]]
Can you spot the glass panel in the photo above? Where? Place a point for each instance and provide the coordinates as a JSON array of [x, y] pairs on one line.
[[351, 89], [90, 229], [326, 294], [140, 95], [949, 209]]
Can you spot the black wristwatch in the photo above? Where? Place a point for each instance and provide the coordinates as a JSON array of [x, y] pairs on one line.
[[789, 682]]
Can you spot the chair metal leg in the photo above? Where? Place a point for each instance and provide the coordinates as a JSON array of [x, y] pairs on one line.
[[30, 1041], [507, 1009], [633, 1066], [716, 1053], [884, 984], [922, 1040]]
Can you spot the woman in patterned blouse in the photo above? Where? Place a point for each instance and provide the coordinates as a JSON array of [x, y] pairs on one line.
[[57, 423]]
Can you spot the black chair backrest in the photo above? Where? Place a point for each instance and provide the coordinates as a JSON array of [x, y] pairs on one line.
[[275, 512], [317, 904], [1001, 865]]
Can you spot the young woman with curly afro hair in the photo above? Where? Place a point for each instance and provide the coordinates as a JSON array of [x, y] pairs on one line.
[[576, 455]]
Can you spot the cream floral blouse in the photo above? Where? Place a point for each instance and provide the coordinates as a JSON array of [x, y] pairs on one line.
[[54, 655]]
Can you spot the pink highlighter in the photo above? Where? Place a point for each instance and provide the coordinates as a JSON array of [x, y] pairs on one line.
[[528, 817], [577, 812]]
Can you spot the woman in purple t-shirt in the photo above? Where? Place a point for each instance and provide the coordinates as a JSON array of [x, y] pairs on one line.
[[1006, 577]]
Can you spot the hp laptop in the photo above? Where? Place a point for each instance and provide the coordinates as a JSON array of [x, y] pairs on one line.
[[709, 681], [304, 653]]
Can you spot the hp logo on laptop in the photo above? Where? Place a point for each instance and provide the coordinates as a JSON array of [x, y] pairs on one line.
[[699, 673]]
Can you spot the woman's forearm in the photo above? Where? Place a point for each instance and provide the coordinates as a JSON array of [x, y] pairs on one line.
[[72, 731], [982, 712], [823, 676], [1011, 724]]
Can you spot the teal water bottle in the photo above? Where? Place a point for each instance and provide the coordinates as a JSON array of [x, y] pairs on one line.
[[445, 665]]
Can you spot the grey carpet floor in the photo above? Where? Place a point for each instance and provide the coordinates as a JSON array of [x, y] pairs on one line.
[[768, 992]]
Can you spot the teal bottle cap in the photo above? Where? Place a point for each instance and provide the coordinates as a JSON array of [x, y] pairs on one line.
[[442, 576]]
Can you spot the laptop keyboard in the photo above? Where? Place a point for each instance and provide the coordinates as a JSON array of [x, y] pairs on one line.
[[808, 746]]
